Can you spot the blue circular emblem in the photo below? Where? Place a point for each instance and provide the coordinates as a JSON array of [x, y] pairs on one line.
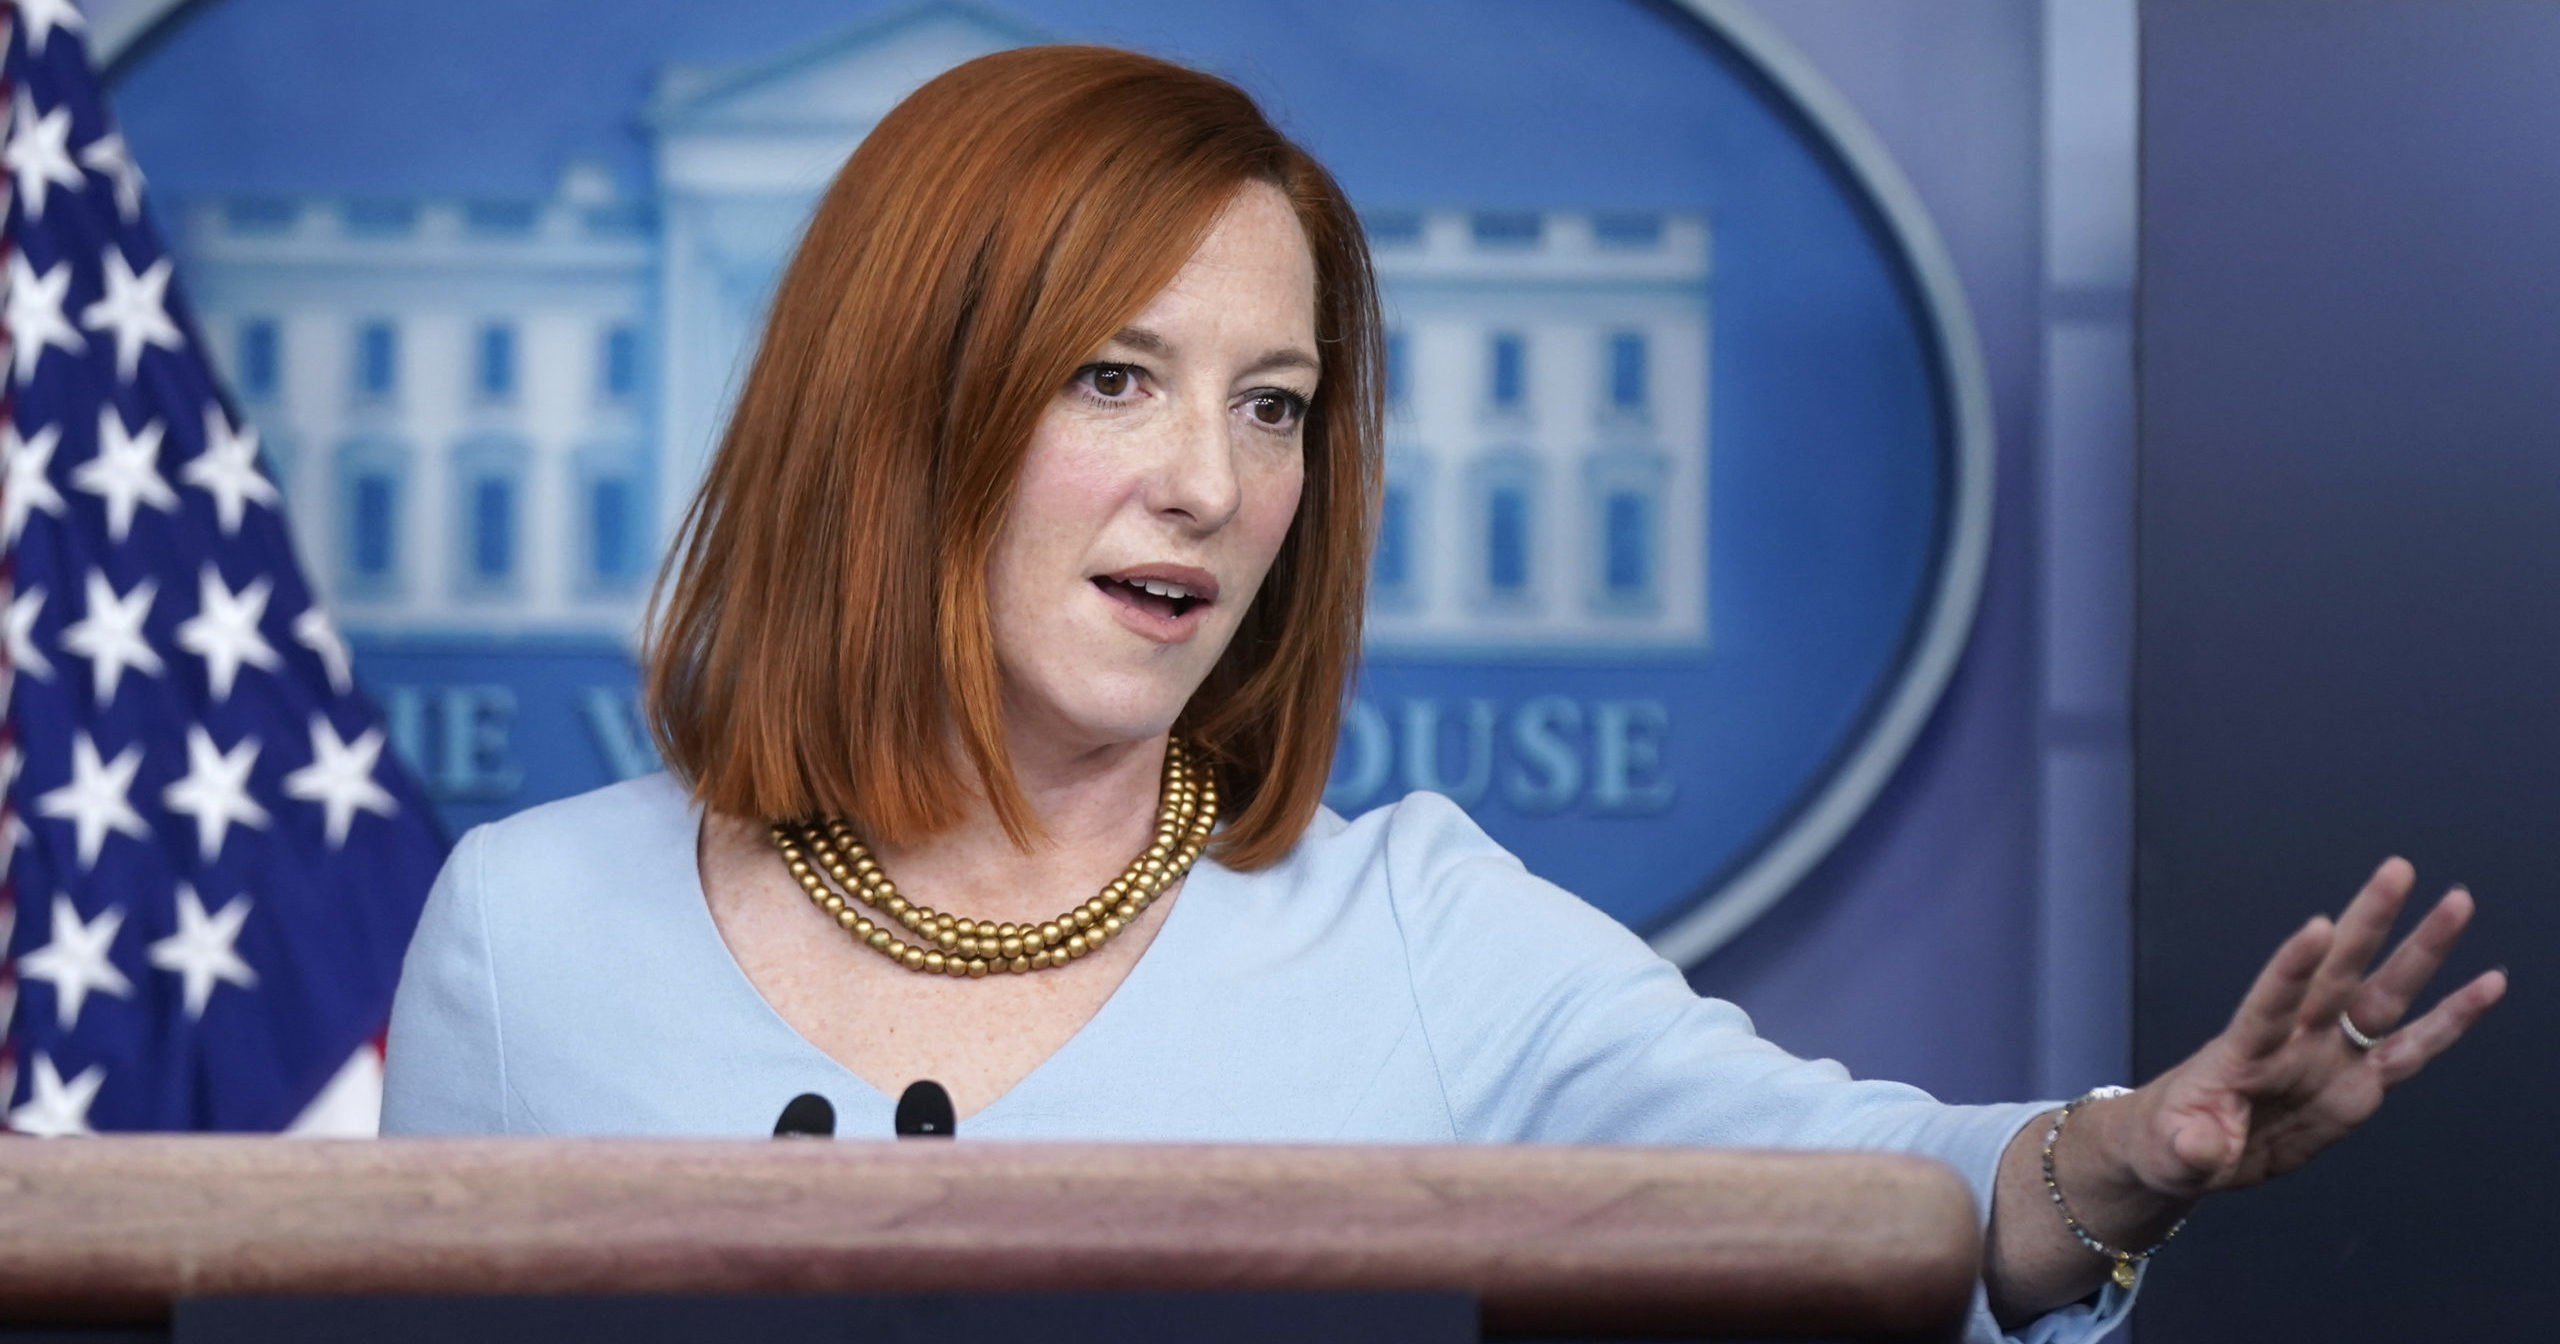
[[1689, 468]]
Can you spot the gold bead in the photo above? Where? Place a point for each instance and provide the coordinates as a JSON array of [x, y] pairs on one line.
[[884, 889], [897, 904], [1018, 965], [914, 957], [1008, 930], [956, 968], [832, 902], [1050, 934], [977, 968], [846, 918], [933, 961], [909, 917], [1041, 960], [1076, 945], [1083, 918], [1114, 924], [863, 928], [966, 928], [1010, 944], [799, 866], [1128, 911], [946, 938], [1157, 852], [880, 938]]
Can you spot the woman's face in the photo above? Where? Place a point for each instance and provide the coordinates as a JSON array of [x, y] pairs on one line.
[[1159, 484]]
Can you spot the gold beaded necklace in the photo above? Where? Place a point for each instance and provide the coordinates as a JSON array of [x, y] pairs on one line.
[[1186, 809]]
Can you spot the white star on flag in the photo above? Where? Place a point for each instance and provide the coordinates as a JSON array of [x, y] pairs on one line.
[[76, 962], [30, 484], [135, 308], [108, 158], [227, 469], [35, 314], [216, 790], [110, 635], [201, 952], [25, 655], [315, 631], [224, 631], [56, 1110], [43, 16], [94, 801], [39, 154], [340, 778], [126, 472]]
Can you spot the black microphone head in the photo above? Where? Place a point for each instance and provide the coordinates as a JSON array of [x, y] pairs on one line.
[[924, 1109], [808, 1115]]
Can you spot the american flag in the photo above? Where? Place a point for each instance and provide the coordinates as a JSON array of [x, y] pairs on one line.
[[213, 862]]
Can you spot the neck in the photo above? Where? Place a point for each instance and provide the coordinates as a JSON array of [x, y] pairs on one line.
[[1096, 808]]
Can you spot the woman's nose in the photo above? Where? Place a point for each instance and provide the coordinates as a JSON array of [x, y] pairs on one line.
[[1196, 472]]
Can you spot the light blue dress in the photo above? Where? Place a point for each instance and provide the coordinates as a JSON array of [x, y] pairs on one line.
[[1399, 978]]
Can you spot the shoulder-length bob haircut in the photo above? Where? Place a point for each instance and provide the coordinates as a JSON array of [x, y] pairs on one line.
[[820, 640]]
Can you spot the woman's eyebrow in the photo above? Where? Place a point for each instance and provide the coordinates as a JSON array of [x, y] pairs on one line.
[[1147, 341]]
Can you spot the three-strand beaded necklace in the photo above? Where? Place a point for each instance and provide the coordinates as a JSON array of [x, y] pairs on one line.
[[819, 848]]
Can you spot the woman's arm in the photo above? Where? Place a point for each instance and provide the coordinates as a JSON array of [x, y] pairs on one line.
[[2280, 1083]]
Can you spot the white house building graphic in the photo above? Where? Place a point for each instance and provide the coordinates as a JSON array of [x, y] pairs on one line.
[[488, 414]]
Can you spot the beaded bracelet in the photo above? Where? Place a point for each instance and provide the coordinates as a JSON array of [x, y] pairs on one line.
[[2126, 1262]]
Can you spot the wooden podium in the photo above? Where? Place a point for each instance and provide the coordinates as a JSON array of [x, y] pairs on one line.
[[1544, 1240]]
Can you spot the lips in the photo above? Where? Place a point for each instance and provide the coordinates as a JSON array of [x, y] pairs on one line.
[[1162, 602]]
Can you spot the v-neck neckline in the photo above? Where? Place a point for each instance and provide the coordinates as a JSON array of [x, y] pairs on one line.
[[707, 930]]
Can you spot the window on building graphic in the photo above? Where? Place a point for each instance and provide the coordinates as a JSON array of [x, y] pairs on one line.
[[1391, 564], [1507, 228], [1626, 547], [494, 363], [376, 524], [620, 362], [371, 489], [487, 517], [1627, 544], [610, 552], [1506, 547], [1626, 228], [377, 361], [1628, 390], [381, 219], [493, 529], [261, 369], [610, 517], [1507, 371], [1391, 228]]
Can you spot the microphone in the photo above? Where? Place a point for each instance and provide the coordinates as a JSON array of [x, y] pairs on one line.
[[808, 1116], [924, 1111]]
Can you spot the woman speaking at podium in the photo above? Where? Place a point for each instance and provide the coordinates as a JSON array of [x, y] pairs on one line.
[[998, 672]]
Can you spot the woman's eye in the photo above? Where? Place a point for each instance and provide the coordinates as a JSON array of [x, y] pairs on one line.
[[1110, 381], [1276, 409]]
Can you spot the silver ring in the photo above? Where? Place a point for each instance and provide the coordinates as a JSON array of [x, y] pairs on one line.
[[2354, 1037]]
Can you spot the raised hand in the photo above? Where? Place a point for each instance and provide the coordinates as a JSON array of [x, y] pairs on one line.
[[2285, 1080]]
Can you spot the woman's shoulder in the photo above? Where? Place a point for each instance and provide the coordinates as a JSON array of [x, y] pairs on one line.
[[1440, 871], [641, 829]]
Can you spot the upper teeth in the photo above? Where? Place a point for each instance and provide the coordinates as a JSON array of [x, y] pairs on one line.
[[1160, 588]]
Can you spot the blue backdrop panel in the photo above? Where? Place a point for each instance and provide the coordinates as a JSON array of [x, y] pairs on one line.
[[2350, 613]]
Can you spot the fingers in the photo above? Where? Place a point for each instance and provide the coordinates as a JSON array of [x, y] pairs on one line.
[[2361, 930], [2409, 1048], [2265, 1020], [2385, 997]]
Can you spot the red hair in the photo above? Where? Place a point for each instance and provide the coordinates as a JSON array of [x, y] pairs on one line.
[[820, 635]]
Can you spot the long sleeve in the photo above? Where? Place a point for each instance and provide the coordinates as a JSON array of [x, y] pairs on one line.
[[444, 1066], [1550, 1022]]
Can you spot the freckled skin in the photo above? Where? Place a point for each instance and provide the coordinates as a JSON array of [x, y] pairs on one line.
[[1178, 443]]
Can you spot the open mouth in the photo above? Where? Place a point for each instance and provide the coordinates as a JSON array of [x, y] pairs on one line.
[[1157, 597]]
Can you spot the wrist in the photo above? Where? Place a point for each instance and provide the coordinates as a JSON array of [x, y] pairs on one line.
[[2103, 1198]]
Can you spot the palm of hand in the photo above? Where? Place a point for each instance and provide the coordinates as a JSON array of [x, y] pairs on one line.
[[2283, 1081]]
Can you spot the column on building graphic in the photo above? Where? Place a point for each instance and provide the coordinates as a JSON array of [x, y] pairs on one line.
[[1546, 478], [455, 396]]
